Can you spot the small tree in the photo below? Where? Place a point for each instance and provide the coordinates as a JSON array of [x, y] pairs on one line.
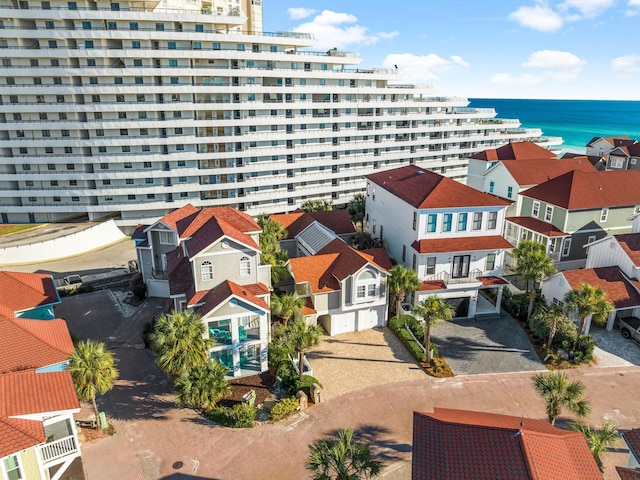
[[553, 324], [598, 440], [432, 310], [202, 386], [286, 306], [557, 392], [342, 459], [356, 209], [179, 341], [271, 253], [92, 368], [534, 265], [364, 241], [318, 205], [402, 280], [301, 337], [587, 302]]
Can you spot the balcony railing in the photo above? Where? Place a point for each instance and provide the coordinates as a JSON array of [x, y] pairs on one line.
[[474, 276], [58, 449]]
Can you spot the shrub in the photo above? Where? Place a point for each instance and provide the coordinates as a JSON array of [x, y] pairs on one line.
[[540, 325], [584, 349], [137, 286], [397, 325], [239, 416], [305, 384], [284, 407], [518, 304]]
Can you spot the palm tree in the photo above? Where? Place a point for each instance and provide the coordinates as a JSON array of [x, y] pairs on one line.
[[317, 205], [589, 301], [553, 317], [202, 386], [533, 264], [92, 368], [432, 310], [286, 306], [402, 280], [557, 391], [301, 337], [356, 209], [179, 341], [597, 439], [342, 459]]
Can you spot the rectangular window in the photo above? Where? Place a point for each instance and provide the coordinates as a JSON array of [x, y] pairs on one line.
[[566, 247], [133, 25], [604, 214], [88, 44], [128, 165], [548, 213], [509, 192], [491, 187], [462, 222], [431, 266], [460, 267], [415, 219], [493, 220], [535, 210], [491, 262], [477, 220], [446, 222]]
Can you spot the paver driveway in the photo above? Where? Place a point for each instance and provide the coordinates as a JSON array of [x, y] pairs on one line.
[[494, 345]]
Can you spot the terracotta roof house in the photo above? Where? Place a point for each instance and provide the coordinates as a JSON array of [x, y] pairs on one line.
[[459, 445], [632, 439], [345, 288], [208, 261], [480, 162], [600, 146], [625, 157], [449, 233], [580, 207], [38, 438]]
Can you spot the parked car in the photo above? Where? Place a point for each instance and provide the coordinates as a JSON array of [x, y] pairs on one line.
[[630, 327]]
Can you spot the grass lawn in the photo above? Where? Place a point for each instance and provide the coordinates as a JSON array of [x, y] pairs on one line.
[[7, 229]]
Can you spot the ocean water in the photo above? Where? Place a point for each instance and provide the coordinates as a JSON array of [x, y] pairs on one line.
[[576, 121]]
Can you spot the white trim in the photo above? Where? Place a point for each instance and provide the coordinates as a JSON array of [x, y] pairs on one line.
[[566, 247], [5, 474], [548, 213], [535, 209]]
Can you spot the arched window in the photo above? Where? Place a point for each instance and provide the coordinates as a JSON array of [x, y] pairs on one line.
[[245, 266], [207, 271], [366, 285]]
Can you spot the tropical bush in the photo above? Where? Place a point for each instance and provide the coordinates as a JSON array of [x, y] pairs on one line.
[[518, 304], [305, 384], [584, 349], [238, 416], [566, 330], [284, 407]]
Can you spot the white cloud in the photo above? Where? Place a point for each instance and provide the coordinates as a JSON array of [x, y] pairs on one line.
[[555, 64], [634, 6], [340, 30], [539, 17], [298, 13], [423, 68], [508, 79], [587, 8], [627, 64]]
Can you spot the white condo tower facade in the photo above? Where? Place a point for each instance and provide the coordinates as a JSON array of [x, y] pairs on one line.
[[136, 108]]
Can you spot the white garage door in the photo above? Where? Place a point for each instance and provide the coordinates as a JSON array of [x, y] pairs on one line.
[[367, 319]]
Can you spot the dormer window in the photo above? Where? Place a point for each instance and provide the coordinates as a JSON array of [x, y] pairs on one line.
[[166, 238], [207, 271], [366, 286]]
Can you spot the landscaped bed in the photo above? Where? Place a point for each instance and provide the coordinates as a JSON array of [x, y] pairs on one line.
[[262, 384]]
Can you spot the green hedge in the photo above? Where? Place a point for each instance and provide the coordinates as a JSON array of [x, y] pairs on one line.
[[397, 325], [284, 407], [240, 416]]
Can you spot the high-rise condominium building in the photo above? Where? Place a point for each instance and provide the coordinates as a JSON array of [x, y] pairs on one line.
[[135, 108]]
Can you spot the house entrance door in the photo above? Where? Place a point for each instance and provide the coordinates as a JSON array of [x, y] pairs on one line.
[[460, 268]]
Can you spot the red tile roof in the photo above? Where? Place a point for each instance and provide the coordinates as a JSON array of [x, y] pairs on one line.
[[212, 299], [530, 223], [175, 220], [459, 445], [630, 243], [293, 222], [17, 434], [515, 151], [613, 141], [22, 291], [336, 261], [617, 288], [632, 437], [180, 273], [578, 190], [628, 473], [421, 188], [428, 285], [32, 343], [338, 221], [461, 244], [534, 172], [491, 280]]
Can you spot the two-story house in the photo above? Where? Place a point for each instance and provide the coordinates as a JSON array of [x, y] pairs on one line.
[[38, 437], [208, 261], [575, 209], [623, 158], [600, 146], [449, 233], [345, 289]]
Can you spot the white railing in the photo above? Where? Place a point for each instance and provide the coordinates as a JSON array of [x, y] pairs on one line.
[[59, 448]]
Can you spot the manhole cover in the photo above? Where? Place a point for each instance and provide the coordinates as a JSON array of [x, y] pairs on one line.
[[177, 465]]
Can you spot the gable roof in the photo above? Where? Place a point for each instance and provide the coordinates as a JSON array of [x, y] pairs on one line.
[[350, 260], [619, 290], [17, 434], [21, 291], [458, 444], [212, 299], [34, 343], [316, 270], [628, 473], [630, 243], [578, 190], [613, 141], [632, 439], [176, 219], [534, 172], [338, 221], [536, 225], [461, 244], [422, 188], [515, 151]]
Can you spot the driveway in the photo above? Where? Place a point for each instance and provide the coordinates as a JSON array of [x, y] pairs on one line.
[[613, 350], [353, 361], [493, 345]]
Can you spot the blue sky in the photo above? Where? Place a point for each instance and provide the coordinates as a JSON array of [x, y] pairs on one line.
[[562, 49]]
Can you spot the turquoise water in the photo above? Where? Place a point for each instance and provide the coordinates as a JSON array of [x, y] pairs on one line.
[[576, 121]]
